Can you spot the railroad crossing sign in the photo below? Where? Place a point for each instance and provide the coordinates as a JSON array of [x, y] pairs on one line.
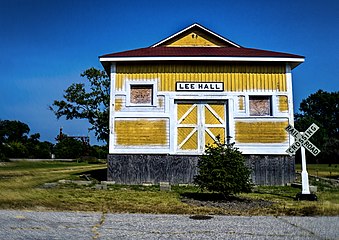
[[301, 140]]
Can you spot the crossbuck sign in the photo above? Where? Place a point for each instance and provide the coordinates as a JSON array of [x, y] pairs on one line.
[[301, 139]]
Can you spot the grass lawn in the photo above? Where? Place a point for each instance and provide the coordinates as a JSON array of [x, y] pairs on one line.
[[21, 187], [321, 170]]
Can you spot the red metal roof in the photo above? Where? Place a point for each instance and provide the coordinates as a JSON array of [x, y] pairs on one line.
[[199, 52]]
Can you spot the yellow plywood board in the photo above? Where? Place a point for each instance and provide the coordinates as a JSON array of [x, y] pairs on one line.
[[141, 132], [236, 77], [261, 132], [283, 103]]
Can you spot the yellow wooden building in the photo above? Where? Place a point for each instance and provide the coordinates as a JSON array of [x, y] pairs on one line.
[[169, 100]]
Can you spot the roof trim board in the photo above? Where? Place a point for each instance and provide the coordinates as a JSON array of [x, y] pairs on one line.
[[227, 59], [293, 62]]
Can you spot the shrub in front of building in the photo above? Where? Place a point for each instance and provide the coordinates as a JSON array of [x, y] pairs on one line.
[[222, 169]]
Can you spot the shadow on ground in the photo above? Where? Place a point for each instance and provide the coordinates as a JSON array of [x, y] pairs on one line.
[[99, 174]]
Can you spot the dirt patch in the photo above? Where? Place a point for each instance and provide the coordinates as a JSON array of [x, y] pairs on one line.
[[230, 204]]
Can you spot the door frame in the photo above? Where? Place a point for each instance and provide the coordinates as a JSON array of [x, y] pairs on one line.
[[174, 131]]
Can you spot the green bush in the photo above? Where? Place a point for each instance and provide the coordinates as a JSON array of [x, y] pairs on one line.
[[222, 169]]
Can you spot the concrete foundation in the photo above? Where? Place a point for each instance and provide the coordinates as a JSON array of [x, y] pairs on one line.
[[181, 169]]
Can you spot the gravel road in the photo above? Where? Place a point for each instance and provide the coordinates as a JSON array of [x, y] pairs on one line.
[[83, 225]]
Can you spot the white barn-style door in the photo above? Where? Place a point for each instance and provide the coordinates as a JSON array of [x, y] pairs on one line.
[[199, 123]]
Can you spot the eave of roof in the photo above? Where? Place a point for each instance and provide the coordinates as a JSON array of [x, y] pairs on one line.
[[198, 52]]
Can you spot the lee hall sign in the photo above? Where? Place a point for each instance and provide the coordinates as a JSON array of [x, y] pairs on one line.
[[199, 86]]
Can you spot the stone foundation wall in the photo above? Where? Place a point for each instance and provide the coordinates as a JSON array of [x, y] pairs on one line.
[[154, 168]]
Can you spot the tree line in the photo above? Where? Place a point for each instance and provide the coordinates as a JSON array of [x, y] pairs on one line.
[[16, 142]]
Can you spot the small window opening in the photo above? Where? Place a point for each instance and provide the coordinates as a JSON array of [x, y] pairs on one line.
[[260, 105], [141, 94]]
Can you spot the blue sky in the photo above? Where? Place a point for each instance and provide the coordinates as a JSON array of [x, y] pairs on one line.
[[45, 44]]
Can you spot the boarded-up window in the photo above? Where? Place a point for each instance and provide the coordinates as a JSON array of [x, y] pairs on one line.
[[260, 105], [141, 94]]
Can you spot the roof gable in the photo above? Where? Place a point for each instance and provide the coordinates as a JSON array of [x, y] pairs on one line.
[[193, 39], [195, 36]]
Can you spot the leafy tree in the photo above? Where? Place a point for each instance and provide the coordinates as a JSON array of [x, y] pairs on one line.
[[16, 143], [222, 169], [99, 152], [321, 108], [68, 148], [13, 131], [37, 149], [89, 103], [16, 150]]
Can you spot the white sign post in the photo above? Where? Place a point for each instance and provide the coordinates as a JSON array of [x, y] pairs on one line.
[[301, 141]]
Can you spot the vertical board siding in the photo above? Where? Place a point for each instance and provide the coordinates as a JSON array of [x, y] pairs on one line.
[[119, 101], [240, 77], [155, 168], [260, 131], [141, 132], [241, 103]]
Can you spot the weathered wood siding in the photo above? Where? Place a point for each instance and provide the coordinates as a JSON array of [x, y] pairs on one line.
[[143, 168], [271, 169], [146, 168], [236, 77]]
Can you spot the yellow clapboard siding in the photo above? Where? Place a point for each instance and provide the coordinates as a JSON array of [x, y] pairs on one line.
[[141, 132], [236, 77], [118, 104], [260, 132], [161, 102], [283, 103], [241, 103]]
